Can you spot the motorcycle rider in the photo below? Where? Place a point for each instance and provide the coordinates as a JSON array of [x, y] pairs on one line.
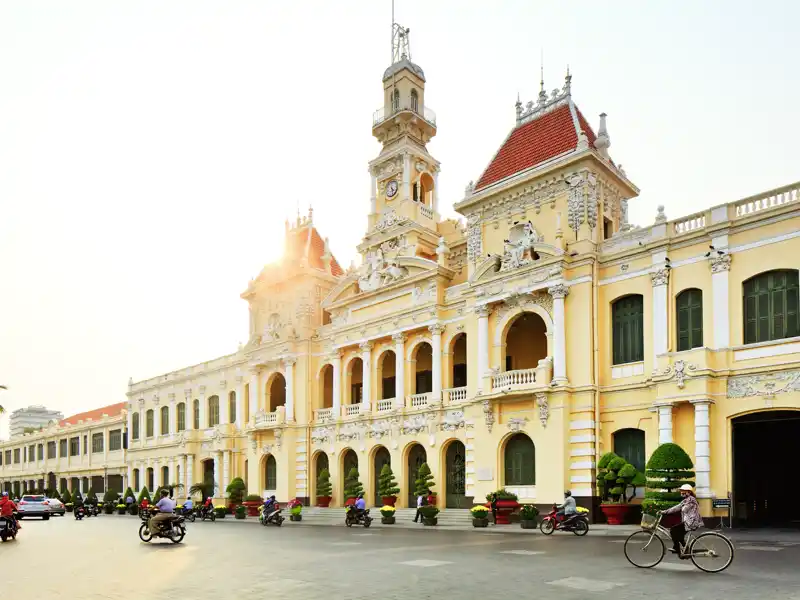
[[567, 510], [165, 506], [269, 507], [7, 508], [360, 505], [188, 505], [207, 506]]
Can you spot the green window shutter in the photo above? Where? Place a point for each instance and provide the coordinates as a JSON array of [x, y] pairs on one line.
[[690, 319], [793, 305], [683, 322], [750, 321], [696, 318], [627, 330], [762, 312], [520, 461]]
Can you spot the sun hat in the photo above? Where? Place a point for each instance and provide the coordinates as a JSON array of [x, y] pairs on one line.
[[687, 488]]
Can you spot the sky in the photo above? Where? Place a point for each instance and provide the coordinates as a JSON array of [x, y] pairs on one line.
[[150, 151]]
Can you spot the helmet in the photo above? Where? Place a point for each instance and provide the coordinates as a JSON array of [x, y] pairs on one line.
[[164, 493], [5, 494], [272, 497], [687, 488], [567, 494], [361, 494]]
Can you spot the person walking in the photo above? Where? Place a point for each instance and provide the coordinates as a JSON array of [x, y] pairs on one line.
[[493, 504], [420, 504]]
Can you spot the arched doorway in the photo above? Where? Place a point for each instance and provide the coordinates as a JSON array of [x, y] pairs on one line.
[[459, 354], [416, 457], [762, 493], [455, 475], [349, 462], [519, 461], [208, 475], [270, 473], [525, 342], [51, 481], [320, 463], [382, 457], [276, 392]]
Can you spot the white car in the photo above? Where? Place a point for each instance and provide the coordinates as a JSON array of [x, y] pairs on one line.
[[56, 506], [33, 506]]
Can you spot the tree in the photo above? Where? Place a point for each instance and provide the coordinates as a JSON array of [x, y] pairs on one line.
[[205, 489], [145, 493], [668, 468], [614, 476], [324, 487], [66, 497], [128, 494], [236, 490], [424, 480], [352, 486], [110, 496], [90, 495], [387, 486]]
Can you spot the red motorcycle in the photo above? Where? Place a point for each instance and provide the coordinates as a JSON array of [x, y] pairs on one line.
[[577, 524]]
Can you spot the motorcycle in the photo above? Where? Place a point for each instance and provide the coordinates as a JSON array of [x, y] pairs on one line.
[[187, 513], [8, 528], [174, 530], [92, 510], [79, 512], [206, 513], [356, 517], [273, 518], [577, 524]]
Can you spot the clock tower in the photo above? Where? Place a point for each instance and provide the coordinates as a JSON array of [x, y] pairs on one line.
[[404, 175]]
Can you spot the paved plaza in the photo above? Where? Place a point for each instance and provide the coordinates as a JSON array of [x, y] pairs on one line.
[[103, 558]]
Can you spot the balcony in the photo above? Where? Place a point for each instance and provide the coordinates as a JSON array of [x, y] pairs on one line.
[[351, 410], [323, 415], [385, 405], [524, 380], [382, 114], [265, 420], [454, 395], [419, 400]]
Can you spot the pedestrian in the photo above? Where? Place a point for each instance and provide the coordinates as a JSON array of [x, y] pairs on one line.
[[420, 504], [493, 504], [430, 499], [129, 500]]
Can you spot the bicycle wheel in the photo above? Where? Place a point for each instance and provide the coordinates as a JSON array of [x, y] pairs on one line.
[[644, 549], [711, 552]]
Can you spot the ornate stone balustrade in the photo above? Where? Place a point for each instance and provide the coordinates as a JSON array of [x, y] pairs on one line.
[[452, 395], [323, 414], [514, 379], [419, 400], [350, 410], [385, 405]]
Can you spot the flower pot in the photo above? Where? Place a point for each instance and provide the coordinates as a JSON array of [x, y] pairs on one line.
[[480, 522], [615, 513], [387, 520], [504, 510], [295, 517], [133, 509], [528, 524], [429, 521], [388, 500], [122, 511], [252, 508], [69, 507], [323, 501], [239, 515], [108, 509]]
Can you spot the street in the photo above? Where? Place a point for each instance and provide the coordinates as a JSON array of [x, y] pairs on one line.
[[103, 558]]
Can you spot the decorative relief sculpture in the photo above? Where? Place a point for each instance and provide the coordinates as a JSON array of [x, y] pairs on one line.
[[660, 277], [517, 423], [680, 368], [474, 238], [720, 263], [453, 420], [767, 384], [279, 438], [417, 424], [488, 415], [321, 435], [518, 249], [381, 429], [558, 291], [544, 408], [420, 295], [389, 219], [575, 202], [349, 432], [377, 272]]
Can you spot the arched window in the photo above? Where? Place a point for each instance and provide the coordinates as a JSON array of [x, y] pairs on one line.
[[771, 306], [520, 461], [164, 420], [196, 414], [690, 319], [182, 416], [396, 100], [271, 473], [627, 316], [150, 479], [276, 392], [136, 482], [164, 476], [232, 407], [148, 419], [213, 411], [629, 444], [135, 426], [414, 101]]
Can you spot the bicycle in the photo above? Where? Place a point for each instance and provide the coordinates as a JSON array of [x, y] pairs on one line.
[[645, 548]]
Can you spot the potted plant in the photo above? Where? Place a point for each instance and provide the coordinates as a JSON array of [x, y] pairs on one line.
[[429, 513], [110, 502], [295, 510], [144, 495], [324, 488], [220, 511], [352, 487], [480, 516], [241, 512], [667, 469], [528, 516], [422, 487], [387, 514], [252, 502], [121, 509], [614, 476], [66, 498], [124, 500], [236, 490], [387, 486], [506, 504]]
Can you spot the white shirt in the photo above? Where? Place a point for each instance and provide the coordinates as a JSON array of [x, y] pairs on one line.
[[419, 501]]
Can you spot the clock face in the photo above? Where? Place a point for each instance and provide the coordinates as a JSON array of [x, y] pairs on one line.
[[391, 189]]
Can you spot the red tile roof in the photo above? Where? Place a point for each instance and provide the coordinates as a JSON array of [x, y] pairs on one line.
[[535, 142], [295, 248], [112, 410]]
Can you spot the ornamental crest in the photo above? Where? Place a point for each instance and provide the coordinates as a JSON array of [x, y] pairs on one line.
[[416, 424], [767, 384], [321, 435], [517, 423], [680, 369], [488, 415], [544, 408], [453, 420]]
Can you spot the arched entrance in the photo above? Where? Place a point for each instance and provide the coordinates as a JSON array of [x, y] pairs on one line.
[[525, 342], [208, 475], [349, 462], [270, 473], [320, 463], [51, 481], [455, 475], [416, 457], [382, 457], [762, 493]]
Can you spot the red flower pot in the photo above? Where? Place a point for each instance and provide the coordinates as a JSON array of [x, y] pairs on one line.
[[252, 508], [388, 500], [323, 501], [615, 513], [504, 510]]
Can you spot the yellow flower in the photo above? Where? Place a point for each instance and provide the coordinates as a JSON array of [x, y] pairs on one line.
[[387, 508]]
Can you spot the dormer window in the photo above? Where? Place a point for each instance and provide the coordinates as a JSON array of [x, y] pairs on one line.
[[414, 101]]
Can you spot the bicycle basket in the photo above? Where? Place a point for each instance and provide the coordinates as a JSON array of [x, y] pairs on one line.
[[649, 522]]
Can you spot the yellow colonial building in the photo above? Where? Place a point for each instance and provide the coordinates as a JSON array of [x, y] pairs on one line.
[[508, 349]]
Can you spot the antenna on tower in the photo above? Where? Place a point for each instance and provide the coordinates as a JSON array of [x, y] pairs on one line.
[[401, 48]]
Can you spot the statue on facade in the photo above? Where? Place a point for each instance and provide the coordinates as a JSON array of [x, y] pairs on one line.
[[518, 249]]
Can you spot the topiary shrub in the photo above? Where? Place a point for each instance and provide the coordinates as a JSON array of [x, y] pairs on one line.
[[77, 499], [236, 490], [91, 496], [387, 486], [324, 487], [502, 494], [352, 486], [128, 494], [66, 497], [668, 468], [144, 494], [424, 482], [615, 476], [110, 497]]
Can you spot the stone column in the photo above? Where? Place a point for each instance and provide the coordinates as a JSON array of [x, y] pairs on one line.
[[336, 362], [189, 472], [436, 192], [130, 479], [366, 376], [660, 336], [239, 401], [665, 424], [289, 366], [406, 176], [217, 478], [224, 416], [399, 370], [226, 471], [142, 424], [253, 404], [559, 293], [188, 409], [173, 415], [436, 367], [129, 424], [171, 478], [483, 344], [156, 418], [203, 422], [373, 193], [720, 269], [702, 447]]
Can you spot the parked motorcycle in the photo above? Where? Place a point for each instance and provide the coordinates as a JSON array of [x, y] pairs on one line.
[[92, 510], [355, 517], [174, 530], [79, 512], [8, 528], [273, 518], [577, 524]]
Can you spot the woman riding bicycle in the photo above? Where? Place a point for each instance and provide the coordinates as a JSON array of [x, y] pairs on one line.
[[690, 519]]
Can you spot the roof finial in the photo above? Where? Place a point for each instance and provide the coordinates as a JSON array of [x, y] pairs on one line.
[[603, 141], [310, 215], [568, 83], [542, 93], [518, 107]]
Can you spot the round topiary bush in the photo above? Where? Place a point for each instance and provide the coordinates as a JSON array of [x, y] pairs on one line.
[[668, 468]]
